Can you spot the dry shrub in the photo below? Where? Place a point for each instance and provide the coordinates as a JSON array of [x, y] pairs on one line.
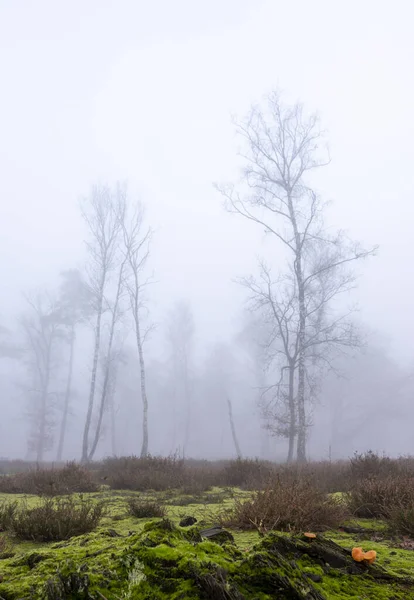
[[287, 505], [328, 476], [56, 519], [141, 474], [376, 497], [7, 512], [6, 547], [145, 509], [72, 478], [247, 473], [371, 465], [400, 518], [10, 467]]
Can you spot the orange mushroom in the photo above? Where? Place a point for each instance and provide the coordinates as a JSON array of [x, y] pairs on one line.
[[310, 536], [357, 554], [370, 556]]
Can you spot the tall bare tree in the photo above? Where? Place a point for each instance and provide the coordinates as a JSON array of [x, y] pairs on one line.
[[73, 308], [283, 147], [276, 306], [111, 356], [137, 248], [42, 333], [8, 348], [103, 214], [180, 337]]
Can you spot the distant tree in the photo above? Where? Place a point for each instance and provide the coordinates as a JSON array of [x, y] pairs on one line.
[[8, 348], [283, 146], [42, 334], [136, 249], [180, 338], [233, 428], [111, 355], [73, 307], [221, 369], [102, 212], [254, 338], [118, 359]]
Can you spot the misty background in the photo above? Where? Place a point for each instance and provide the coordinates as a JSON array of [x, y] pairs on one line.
[[99, 92]]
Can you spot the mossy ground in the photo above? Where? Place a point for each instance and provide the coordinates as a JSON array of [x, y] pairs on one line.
[[124, 557]]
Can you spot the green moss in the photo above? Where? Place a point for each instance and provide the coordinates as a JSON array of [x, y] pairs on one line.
[[134, 559]]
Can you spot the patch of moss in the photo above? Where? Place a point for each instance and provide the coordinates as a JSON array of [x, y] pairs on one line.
[[135, 559], [163, 561]]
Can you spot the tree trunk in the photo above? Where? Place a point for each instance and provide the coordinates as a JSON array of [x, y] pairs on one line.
[[135, 309], [301, 447], [67, 395], [188, 407], [85, 444], [292, 413], [43, 408], [107, 365], [144, 447], [42, 428], [233, 429], [113, 428]]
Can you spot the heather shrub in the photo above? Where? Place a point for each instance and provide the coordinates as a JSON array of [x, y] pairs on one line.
[[287, 504], [400, 517], [377, 496], [144, 509], [56, 519], [6, 547], [247, 473], [140, 474], [7, 512], [371, 465], [72, 478]]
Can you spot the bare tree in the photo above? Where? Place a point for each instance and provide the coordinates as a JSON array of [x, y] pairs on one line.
[[42, 333], [117, 359], [222, 373], [180, 336], [73, 308], [110, 356], [103, 214], [8, 349], [275, 302], [137, 249], [283, 148], [253, 336], [233, 428]]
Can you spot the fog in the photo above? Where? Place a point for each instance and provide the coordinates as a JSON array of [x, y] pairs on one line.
[[147, 94]]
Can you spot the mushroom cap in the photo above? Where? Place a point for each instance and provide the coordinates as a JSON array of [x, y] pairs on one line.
[[357, 554], [309, 535], [370, 556]]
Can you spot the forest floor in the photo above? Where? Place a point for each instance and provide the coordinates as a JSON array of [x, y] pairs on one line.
[[136, 558]]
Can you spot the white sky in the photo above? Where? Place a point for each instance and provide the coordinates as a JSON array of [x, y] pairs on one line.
[[104, 90]]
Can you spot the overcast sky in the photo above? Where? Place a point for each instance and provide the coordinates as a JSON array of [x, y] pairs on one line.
[[101, 90]]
